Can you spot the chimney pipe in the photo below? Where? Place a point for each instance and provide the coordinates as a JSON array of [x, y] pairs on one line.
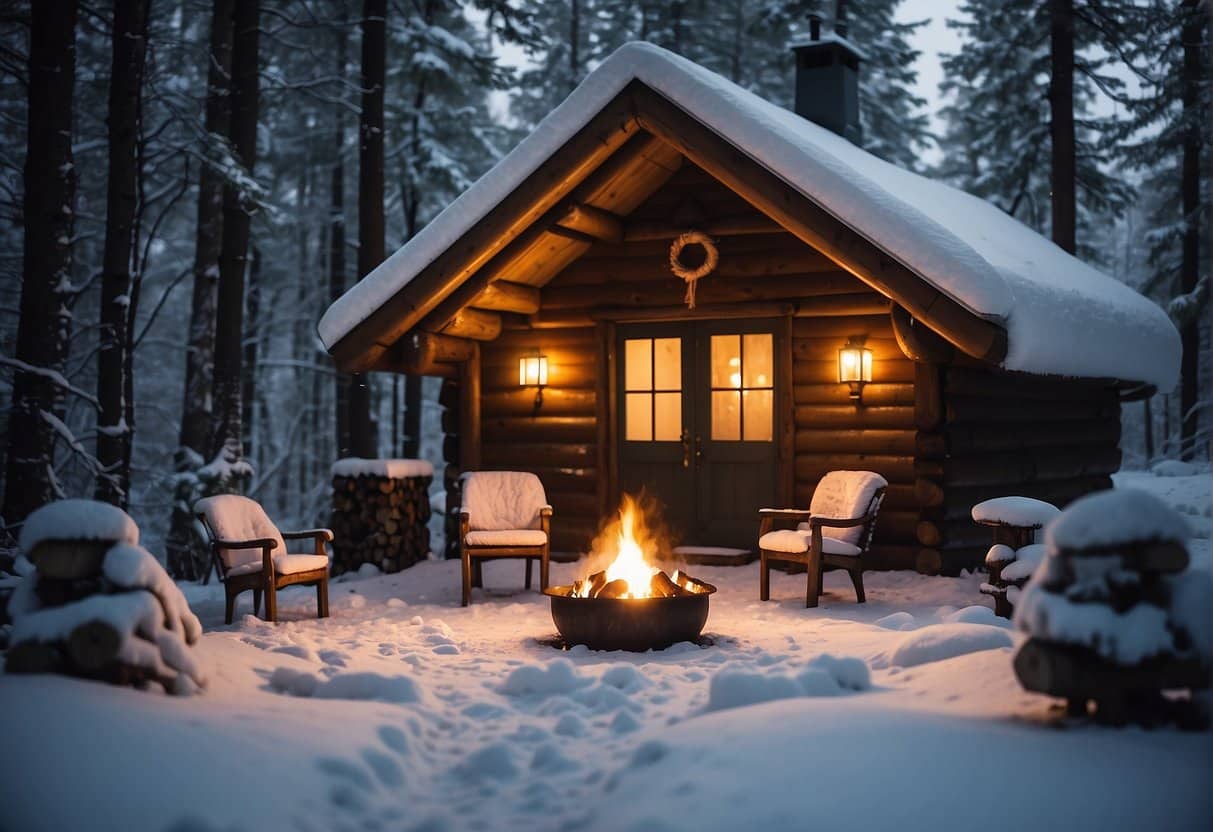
[[814, 26], [827, 77]]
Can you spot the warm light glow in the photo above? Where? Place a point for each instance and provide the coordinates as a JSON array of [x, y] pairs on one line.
[[854, 364], [533, 371], [633, 544]]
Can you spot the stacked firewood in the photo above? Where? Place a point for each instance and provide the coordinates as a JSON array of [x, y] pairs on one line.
[[381, 512], [1009, 570], [1113, 614], [97, 605]]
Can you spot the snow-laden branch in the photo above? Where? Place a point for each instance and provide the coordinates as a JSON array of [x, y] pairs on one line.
[[53, 376]]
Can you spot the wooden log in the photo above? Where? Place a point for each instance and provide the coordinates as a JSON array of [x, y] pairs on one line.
[[476, 324], [470, 411], [591, 221], [791, 209], [702, 311], [496, 429], [557, 401], [550, 454], [69, 559], [928, 492], [1078, 673], [897, 371], [605, 135], [742, 224], [928, 561], [1060, 492], [560, 374], [891, 467], [869, 441], [872, 326], [900, 526], [875, 394], [614, 589], [35, 657], [506, 296], [572, 504], [718, 287], [928, 396], [993, 411], [917, 341], [890, 555], [1031, 465], [843, 305], [93, 645], [971, 439], [980, 383], [826, 416], [656, 254], [825, 348], [571, 339]]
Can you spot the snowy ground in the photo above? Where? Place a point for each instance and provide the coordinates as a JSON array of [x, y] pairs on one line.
[[405, 711]]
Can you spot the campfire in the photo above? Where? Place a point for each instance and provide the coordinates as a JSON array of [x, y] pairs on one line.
[[630, 603]]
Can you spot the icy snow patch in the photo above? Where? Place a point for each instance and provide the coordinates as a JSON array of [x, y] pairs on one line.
[[946, 641], [391, 468], [77, 520]]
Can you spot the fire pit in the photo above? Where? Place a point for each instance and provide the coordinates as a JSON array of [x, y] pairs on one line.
[[631, 604]]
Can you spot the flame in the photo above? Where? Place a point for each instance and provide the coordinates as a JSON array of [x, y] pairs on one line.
[[634, 544]]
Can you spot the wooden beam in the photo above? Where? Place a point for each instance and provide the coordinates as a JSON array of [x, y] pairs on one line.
[[839, 305], [810, 222], [917, 340], [504, 296], [744, 225], [570, 165], [462, 294], [594, 222], [469, 411], [475, 324]]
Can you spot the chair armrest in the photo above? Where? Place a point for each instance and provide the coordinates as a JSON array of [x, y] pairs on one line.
[[836, 523], [786, 513], [460, 511], [259, 543], [545, 511], [324, 534]]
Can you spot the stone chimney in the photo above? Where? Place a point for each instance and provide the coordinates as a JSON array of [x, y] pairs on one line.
[[827, 77]]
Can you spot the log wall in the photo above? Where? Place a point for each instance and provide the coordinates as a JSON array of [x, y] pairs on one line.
[[996, 434], [764, 274]]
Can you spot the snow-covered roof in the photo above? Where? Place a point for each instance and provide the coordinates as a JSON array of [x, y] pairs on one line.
[[1062, 316]]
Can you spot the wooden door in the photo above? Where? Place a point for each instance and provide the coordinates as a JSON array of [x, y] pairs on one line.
[[698, 422]]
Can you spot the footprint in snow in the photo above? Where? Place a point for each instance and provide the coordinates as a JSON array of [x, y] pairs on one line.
[[296, 650], [334, 658], [394, 738], [386, 769]]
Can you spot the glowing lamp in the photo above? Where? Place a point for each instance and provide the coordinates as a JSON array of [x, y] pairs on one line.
[[533, 371], [855, 366]]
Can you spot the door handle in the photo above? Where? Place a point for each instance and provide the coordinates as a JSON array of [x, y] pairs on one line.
[[698, 449], [686, 448]]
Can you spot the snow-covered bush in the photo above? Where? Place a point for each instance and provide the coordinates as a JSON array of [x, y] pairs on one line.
[[98, 605]]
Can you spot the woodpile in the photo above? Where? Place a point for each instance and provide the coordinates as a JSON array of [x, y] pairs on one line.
[[1114, 616], [381, 514], [97, 605]]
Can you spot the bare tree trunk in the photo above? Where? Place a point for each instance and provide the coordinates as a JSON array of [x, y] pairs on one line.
[[363, 432], [121, 247], [337, 245], [574, 43], [253, 438], [1061, 130], [187, 558], [1193, 32], [238, 205], [49, 214]]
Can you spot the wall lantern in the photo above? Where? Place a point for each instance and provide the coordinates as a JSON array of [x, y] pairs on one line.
[[855, 365], [533, 372]]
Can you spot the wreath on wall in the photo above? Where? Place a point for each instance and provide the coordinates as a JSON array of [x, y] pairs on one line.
[[692, 274]]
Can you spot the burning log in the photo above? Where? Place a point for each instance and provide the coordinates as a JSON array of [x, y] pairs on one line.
[[596, 582], [661, 586], [615, 589]]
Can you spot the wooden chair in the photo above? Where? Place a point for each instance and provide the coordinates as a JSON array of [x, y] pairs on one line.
[[847, 501], [250, 553], [505, 514]]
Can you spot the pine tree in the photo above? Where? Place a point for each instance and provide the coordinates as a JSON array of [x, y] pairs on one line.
[[49, 212], [997, 141]]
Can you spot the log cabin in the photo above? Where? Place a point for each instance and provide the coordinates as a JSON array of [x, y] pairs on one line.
[[847, 314]]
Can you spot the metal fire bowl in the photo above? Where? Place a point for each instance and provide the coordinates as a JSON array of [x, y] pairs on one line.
[[635, 624]]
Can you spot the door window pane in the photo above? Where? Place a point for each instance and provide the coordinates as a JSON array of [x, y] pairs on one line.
[[667, 364], [743, 387], [726, 361], [639, 418], [756, 416], [726, 415], [638, 364], [758, 353], [667, 417]]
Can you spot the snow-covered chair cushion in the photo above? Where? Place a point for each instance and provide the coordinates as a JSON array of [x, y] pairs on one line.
[[503, 500], [798, 541], [284, 565], [844, 495], [507, 537], [233, 517]]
